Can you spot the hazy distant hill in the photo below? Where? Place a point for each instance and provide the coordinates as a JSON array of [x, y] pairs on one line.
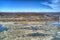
[[29, 16]]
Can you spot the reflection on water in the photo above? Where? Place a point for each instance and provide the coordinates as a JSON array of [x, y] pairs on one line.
[[56, 36], [57, 24], [2, 28]]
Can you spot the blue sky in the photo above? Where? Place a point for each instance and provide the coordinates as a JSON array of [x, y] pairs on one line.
[[29, 5]]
